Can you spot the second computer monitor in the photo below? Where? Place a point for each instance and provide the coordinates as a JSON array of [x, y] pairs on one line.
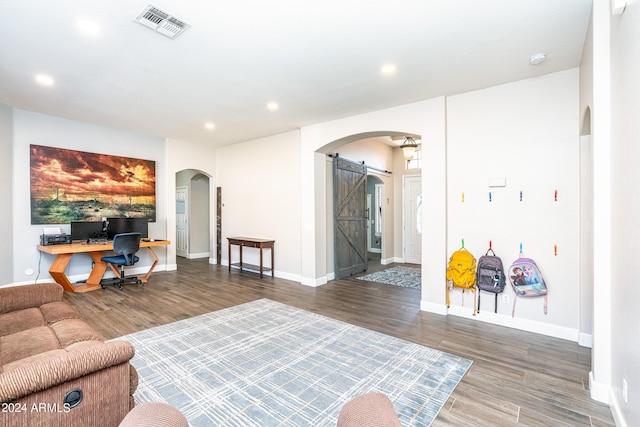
[[128, 225], [85, 230]]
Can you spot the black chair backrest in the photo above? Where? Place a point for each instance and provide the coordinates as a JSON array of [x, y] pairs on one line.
[[127, 244]]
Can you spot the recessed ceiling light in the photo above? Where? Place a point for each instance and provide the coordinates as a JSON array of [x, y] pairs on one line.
[[537, 58], [388, 69], [44, 80], [209, 126], [87, 27], [273, 106]]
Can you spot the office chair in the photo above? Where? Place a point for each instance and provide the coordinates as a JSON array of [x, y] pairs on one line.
[[125, 246]]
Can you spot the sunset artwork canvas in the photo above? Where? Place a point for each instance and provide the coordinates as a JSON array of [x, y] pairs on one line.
[[69, 185]]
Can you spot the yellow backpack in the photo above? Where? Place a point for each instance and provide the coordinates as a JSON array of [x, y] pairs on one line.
[[461, 273]]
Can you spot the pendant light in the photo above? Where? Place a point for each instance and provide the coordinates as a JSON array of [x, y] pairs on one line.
[[408, 147]]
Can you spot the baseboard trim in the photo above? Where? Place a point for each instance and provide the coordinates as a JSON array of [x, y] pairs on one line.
[[306, 281], [616, 410], [599, 391], [528, 325], [433, 307], [198, 255], [585, 340]]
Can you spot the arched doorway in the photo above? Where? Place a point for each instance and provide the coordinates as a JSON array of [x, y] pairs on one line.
[[385, 167], [193, 215]]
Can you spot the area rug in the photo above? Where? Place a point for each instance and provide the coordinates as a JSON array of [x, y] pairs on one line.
[[408, 277], [264, 363]]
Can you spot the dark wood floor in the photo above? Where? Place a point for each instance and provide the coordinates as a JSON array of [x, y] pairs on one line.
[[517, 378]]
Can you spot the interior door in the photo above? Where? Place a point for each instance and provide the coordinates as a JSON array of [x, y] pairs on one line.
[[412, 219], [349, 218], [182, 226]]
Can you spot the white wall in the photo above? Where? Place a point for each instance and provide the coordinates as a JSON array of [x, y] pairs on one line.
[[527, 133], [40, 129], [597, 88], [6, 177], [260, 183], [625, 244]]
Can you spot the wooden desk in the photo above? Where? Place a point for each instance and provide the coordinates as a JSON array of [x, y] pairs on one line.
[[251, 242], [96, 251]]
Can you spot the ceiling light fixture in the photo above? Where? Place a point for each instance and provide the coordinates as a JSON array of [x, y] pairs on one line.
[[88, 28], [537, 58], [273, 106], [44, 80], [209, 126], [409, 146], [388, 69]]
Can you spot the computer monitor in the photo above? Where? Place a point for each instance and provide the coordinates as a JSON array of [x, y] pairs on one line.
[[85, 230], [128, 225]]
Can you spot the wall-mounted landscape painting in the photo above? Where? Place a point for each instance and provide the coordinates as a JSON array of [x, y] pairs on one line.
[[69, 185]]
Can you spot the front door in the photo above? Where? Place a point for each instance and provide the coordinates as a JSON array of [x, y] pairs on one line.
[[412, 219], [349, 216]]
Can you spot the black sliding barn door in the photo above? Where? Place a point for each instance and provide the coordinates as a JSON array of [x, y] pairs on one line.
[[349, 217]]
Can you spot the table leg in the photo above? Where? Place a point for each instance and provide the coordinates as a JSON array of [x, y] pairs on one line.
[[57, 271], [99, 267], [241, 256], [272, 266], [60, 264], [229, 256], [145, 278], [261, 261]]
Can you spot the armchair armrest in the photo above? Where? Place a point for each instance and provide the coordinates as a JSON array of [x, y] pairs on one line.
[[42, 374], [154, 414], [14, 298]]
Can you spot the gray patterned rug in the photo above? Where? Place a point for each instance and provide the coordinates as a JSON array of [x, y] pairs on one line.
[[268, 364], [408, 277]]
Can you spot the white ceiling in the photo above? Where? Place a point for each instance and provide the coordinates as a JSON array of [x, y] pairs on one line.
[[319, 60]]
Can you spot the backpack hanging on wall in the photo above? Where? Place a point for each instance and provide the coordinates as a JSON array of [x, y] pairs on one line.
[[461, 273], [526, 280], [490, 276]]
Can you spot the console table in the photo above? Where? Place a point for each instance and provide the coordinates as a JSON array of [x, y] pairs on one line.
[[251, 242], [96, 251]]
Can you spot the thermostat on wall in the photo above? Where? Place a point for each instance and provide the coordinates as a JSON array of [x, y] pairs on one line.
[[497, 182]]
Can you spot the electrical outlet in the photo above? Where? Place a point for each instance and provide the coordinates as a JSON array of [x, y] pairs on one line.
[[625, 391], [505, 299]]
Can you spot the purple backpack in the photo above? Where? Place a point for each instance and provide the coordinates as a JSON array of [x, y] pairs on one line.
[[526, 280]]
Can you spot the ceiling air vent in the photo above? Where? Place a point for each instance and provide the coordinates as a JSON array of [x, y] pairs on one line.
[[161, 22]]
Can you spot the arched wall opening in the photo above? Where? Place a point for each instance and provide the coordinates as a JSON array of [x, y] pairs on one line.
[[425, 119], [378, 153], [195, 215]]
